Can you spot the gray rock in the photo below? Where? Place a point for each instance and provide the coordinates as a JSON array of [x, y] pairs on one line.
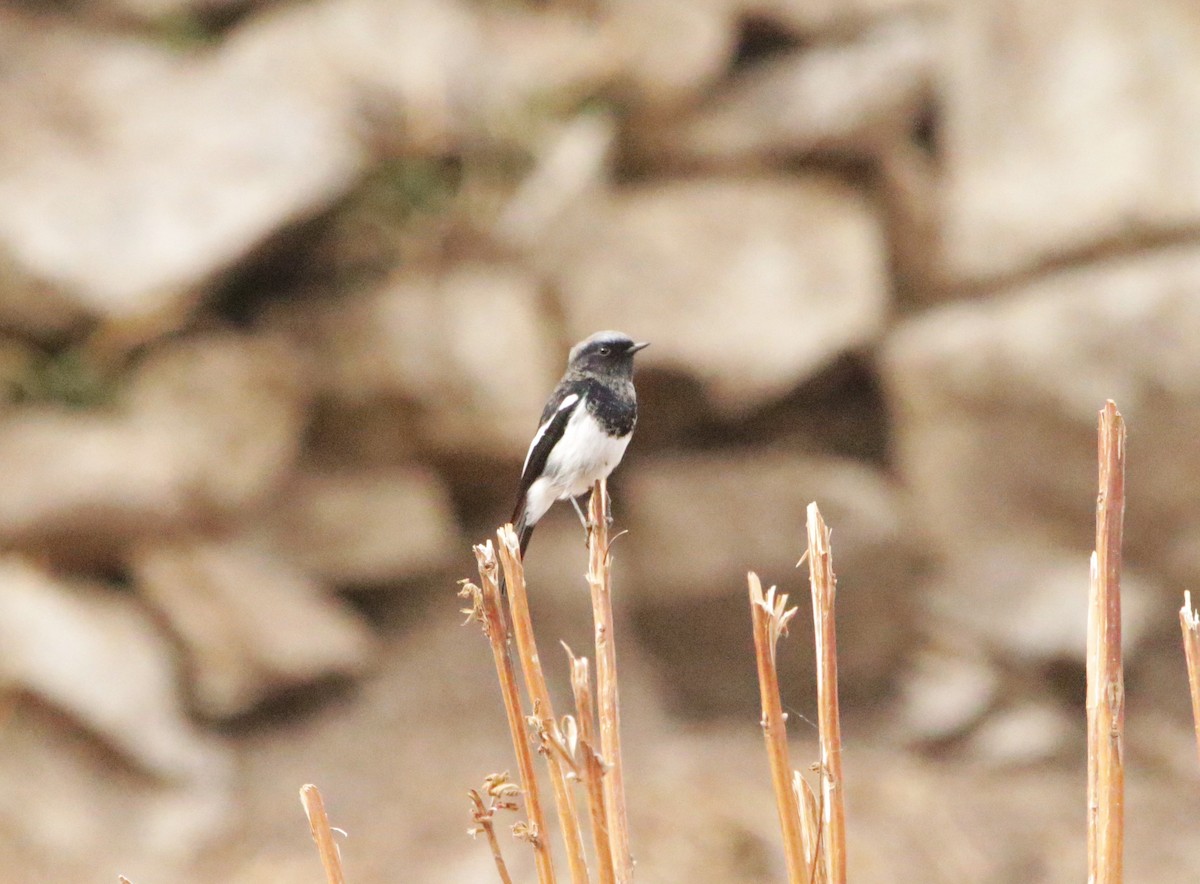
[[1026, 733], [209, 426], [827, 19], [156, 170], [944, 692], [845, 97], [1065, 128], [694, 266], [250, 624], [367, 528], [995, 406], [439, 342], [701, 522], [90, 652], [670, 51]]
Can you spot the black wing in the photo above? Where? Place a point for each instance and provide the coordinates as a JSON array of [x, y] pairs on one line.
[[555, 417]]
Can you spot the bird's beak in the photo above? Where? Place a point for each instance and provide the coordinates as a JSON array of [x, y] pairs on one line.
[[639, 346]]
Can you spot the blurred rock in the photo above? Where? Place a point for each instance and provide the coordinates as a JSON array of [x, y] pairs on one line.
[[182, 15], [569, 174], [72, 807], [944, 693], [406, 67], [234, 408], [368, 528], [1025, 734], [702, 521], [695, 266], [670, 50], [713, 780], [536, 64], [156, 171], [210, 425], [995, 410], [1066, 130], [442, 342], [90, 652], [427, 76], [1025, 601], [251, 625], [846, 98], [817, 19]]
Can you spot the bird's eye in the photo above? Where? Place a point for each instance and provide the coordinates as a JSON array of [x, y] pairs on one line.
[[606, 351]]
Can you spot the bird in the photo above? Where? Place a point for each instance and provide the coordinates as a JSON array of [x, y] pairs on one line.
[[584, 430]]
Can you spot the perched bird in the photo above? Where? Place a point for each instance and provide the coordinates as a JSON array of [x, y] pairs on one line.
[[585, 428]]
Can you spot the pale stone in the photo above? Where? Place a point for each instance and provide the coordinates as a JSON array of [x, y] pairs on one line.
[[995, 406], [90, 652], [209, 426], [251, 625], [1065, 127], [699, 522], [366, 528], [443, 343], [670, 50], [156, 171], [694, 266], [842, 97], [817, 19]]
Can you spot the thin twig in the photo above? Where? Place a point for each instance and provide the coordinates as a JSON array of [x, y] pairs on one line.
[[600, 581], [546, 725], [1105, 680], [1190, 623], [769, 617], [829, 728], [318, 822], [592, 768], [494, 627], [499, 792], [810, 827]]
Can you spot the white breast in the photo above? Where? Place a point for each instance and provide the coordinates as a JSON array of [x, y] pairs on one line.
[[583, 455]]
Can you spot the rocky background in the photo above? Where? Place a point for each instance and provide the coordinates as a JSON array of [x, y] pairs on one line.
[[283, 286]]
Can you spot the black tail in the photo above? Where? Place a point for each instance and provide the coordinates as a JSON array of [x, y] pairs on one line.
[[524, 533]]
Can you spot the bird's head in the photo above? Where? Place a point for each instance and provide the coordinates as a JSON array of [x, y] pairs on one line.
[[605, 353]]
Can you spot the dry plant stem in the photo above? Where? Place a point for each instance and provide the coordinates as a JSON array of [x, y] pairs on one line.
[[318, 822], [497, 633], [593, 766], [768, 622], [535, 683], [1190, 623], [501, 869], [600, 581], [829, 727], [1105, 680], [484, 820], [810, 827]]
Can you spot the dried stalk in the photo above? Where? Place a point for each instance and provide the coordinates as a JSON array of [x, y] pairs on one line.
[[810, 827], [318, 822], [546, 725], [824, 591], [592, 769], [600, 581], [769, 618], [495, 629], [1190, 623], [499, 792], [1105, 680]]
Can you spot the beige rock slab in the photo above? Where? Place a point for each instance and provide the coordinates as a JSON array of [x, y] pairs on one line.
[[751, 285]]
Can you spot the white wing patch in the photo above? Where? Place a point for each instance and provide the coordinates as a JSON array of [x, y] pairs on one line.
[[567, 402]]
